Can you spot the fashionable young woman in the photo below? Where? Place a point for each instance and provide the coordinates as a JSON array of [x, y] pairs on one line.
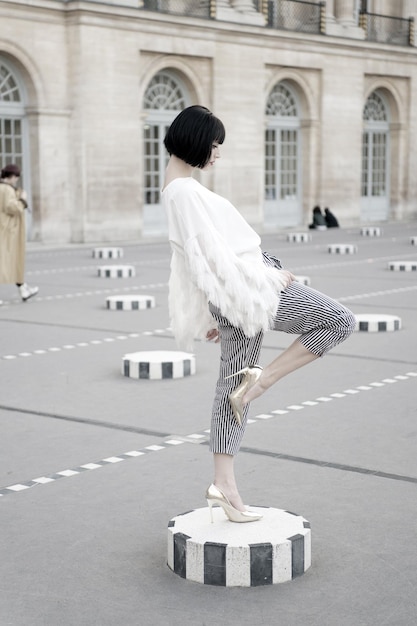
[[224, 288]]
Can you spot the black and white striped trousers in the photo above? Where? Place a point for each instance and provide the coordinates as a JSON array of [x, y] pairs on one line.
[[321, 324]]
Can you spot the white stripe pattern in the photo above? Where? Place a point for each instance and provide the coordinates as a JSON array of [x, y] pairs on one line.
[[321, 322]]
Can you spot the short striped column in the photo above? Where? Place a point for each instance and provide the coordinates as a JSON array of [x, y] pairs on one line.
[[376, 322], [304, 280], [413, 241], [130, 302], [342, 248], [371, 231], [107, 253], [402, 266], [299, 237], [116, 271], [273, 550], [158, 364]]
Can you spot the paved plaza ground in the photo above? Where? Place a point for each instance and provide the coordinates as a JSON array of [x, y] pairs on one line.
[[84, 517]]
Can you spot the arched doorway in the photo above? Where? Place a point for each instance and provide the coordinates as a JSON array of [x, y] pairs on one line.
[[375, 159], [282, 206], [164, 98], [13, 128]]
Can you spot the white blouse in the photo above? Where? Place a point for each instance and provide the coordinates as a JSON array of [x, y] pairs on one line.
[[216, 257]]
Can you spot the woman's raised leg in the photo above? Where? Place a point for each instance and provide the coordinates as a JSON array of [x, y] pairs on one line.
[[321, 324], [294, 357]]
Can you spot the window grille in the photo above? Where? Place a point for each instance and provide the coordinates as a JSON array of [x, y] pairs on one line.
[[375, 147], [296, 15], [164, 93], [281, 102], [164, 98], [387, 29], [191, 8], [11, 113], [374, 109], [282, 176], [9, 90]]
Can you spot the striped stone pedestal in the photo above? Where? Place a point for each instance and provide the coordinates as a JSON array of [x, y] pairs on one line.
[[130, 302], [107, 253], [158, 364], [413, 241], [371, 231], [402, 266], [273, 550], [305, 280], [299, 237], [374, 323], [116, 271], [342, 248]]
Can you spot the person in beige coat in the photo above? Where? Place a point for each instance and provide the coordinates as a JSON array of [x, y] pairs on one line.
[[13, 232]]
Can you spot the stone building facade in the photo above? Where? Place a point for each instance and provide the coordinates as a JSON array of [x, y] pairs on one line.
[[319, 101]]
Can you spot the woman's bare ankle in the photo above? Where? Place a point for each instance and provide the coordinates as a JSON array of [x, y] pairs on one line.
[[257, 390], [232, 494]]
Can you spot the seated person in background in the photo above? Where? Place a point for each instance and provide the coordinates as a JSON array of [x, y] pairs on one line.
[[331, 220], [318, 219]]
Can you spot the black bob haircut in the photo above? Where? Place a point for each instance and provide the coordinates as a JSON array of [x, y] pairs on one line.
[[191, 135]]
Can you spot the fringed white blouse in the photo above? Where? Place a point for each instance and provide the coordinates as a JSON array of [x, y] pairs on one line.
[[216, 257]]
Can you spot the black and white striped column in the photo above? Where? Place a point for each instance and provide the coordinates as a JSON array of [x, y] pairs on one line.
[[107, 253], [128, 302], [299, 237], [402, 266], [158, 364], [116, 271], [371, 231], [342, 248], [273, 550], [377, 322]]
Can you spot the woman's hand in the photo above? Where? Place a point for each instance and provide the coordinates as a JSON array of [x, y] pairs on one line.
[[286, 278], [213, 335]]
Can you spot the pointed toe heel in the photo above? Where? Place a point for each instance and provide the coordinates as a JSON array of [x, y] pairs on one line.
[[215, 496], [251, 375]]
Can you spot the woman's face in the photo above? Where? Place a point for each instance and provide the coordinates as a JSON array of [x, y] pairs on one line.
[[215, 154]]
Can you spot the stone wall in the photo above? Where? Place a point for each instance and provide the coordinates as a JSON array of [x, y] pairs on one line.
[[86, 65]]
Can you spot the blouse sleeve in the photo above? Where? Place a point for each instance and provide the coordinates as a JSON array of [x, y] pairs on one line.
[[188, 307], [241, 286], [246, 293]]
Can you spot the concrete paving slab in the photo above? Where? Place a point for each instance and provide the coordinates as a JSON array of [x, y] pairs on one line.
[[101, 557], [89, 547]]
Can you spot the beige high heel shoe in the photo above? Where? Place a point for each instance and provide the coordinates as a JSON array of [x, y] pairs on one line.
[[251, 376], [215, 496]]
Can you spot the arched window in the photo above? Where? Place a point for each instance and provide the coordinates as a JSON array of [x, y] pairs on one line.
[[282, 159], [11, 117], [164, 98], [164, 94], [375, 158]]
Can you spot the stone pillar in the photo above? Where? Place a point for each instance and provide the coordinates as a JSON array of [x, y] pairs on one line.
[[51, 179], [330, 18], [344, 10], [244, 6], [409, 10], [341, 20]]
